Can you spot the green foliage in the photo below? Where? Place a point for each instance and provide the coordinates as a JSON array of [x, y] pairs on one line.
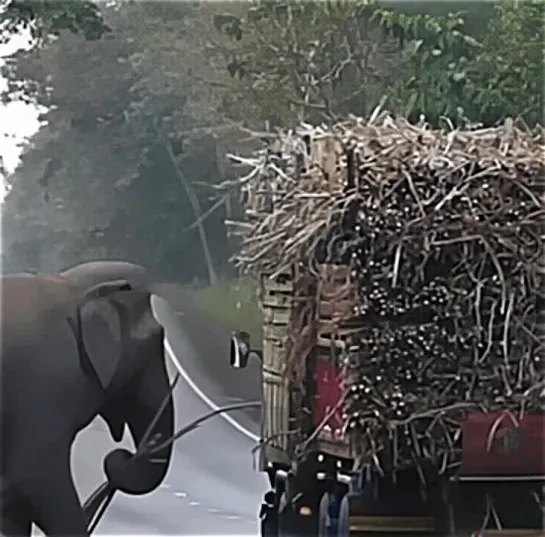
[[314, 60], [453, 74], [46, 18], [233, 305], [307, 61], [507, 78], [437, 54]]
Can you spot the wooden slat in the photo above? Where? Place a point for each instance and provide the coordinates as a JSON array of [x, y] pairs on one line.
[[276, 333], [324, 154], [273, 357], [277, 419], [281, 284], [276, 316], [271, 376], [276, 306], [277, 303], [337, 310]]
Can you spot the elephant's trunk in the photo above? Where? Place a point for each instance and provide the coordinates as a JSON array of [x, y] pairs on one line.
[[145, 474]]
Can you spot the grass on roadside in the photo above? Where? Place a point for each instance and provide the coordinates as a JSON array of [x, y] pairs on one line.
[[233, 305]]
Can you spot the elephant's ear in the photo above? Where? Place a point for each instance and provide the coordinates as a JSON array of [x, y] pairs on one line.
[[101, 329]]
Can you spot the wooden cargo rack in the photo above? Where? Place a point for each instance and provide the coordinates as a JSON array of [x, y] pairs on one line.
[[332, 305], [276, 299]]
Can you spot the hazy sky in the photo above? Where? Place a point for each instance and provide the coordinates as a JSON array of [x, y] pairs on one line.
[[18, 121]]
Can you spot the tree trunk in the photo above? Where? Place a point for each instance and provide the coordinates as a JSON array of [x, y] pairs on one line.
[[196, 206]]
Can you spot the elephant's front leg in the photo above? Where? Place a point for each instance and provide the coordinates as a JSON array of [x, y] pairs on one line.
[[15, 517], [56, 508]]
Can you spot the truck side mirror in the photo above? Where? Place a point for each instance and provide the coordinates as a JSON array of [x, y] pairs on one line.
[[240, 350]]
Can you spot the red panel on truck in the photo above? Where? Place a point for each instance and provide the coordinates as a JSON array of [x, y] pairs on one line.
[[329, 391], [495, 445]]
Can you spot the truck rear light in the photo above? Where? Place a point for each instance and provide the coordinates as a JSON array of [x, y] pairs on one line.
[[499, 445]]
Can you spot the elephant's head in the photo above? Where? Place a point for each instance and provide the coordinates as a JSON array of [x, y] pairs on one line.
[[123, 351]]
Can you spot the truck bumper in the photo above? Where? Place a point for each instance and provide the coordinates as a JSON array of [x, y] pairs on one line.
[[514, 506], [510, 533], [396, 525]]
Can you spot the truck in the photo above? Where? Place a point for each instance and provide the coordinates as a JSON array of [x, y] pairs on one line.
[[400, 270], [317, 488]]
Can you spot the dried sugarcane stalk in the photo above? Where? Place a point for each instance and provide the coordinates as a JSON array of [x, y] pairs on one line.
[[443, 234]]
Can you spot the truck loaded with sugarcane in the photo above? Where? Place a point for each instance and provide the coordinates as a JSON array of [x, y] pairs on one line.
[[401, 279]]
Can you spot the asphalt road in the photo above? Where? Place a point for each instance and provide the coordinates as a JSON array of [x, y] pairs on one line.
[[211, 487]]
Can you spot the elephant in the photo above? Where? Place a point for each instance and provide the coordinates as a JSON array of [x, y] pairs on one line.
[[76, 345]]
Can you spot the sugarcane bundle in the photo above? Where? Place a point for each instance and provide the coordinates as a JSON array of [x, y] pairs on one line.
[[443, 233]]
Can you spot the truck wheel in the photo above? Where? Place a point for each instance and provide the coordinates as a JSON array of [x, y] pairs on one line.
[[285, 518], [324, 520], [343, 523], [269, 515], [293, 524], [268, 527]]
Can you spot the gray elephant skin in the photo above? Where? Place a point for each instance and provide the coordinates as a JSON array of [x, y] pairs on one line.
[[76, 345]]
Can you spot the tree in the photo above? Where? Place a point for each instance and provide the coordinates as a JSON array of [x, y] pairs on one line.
[[307, 61], [113, 118], [437, 52], [46, 18], [507, 77], [315, 60]]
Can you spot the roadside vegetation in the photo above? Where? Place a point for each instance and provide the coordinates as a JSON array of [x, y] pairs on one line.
[[232, 304]]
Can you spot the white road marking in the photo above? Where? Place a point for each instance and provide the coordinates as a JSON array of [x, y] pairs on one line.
[[194, 504], [180, 494], [213, 510], [204, 398], [232, 517]]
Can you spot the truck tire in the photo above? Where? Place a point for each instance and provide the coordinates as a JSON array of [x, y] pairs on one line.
[[291, 523], [343, 522], [268, 528], [286, 518], [269, 515], [324, 520]]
